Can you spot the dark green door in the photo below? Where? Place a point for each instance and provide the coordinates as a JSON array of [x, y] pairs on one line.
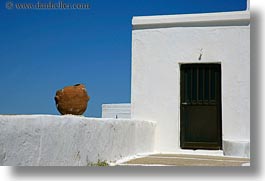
[[200, 117]]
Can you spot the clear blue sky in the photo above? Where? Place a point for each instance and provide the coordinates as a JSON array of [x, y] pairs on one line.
[[42, 51]]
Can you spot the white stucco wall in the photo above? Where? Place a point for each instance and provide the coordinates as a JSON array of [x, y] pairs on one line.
[[161, 43], [48, 140], [116, 110]]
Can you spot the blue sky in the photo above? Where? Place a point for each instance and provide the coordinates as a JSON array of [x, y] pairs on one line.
[[42, 51]]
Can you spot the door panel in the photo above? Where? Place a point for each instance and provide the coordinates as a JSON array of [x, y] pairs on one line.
[[201, 106]]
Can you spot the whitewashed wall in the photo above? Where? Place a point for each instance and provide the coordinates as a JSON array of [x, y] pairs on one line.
[[46, 140], [116, 110], [161, 43]]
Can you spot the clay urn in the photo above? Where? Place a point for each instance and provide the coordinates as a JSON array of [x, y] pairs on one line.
[[72, 100]]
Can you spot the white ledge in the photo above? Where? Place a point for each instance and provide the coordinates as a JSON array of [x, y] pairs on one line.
[[52, 140], [204, 19]]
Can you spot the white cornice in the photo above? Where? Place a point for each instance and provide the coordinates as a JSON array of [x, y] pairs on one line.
[[206, 19]]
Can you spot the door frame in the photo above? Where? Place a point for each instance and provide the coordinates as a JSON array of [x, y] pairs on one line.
[[220, 130]]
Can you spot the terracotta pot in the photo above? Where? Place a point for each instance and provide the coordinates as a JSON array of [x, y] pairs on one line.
[[72, 100]]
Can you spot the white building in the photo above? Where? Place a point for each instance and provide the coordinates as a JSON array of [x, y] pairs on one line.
[[190, 91], [191, 75]]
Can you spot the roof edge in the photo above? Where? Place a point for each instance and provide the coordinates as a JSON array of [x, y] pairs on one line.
[[202, 19]]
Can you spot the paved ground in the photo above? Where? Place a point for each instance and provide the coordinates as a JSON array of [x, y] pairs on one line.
[[187, 160]]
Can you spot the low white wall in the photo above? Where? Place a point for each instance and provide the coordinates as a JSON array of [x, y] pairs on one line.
[[160, 44], [236, 148], [116, 110], [49, 140]]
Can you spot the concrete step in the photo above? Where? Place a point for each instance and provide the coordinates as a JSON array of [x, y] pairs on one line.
[[187, 160]]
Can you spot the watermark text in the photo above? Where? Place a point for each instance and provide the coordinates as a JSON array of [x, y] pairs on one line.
[[51, 5]]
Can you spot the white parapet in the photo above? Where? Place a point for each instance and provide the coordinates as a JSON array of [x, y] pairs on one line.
[[49, 140], [116, 110], [192, 20]]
